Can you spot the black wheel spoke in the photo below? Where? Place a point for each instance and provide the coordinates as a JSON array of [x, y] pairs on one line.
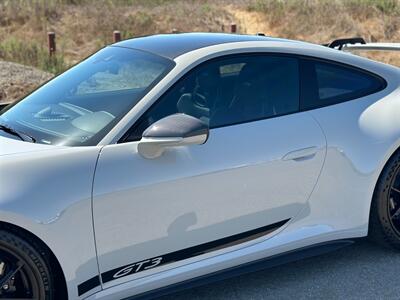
[[25, 298], [393, 202], [395, 189], [10, 274], [396, 215], [17, 280], [2, 268]]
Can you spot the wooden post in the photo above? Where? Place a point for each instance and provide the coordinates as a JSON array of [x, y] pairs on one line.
[[233, 28], [51, 38], [117, 36]]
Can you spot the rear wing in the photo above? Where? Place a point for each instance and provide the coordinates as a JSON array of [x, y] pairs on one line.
[[359, 44], [373, 47]]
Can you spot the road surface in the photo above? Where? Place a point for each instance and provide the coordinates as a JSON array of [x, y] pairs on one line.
[[360, 271]]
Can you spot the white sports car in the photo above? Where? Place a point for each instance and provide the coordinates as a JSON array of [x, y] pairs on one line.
[[165, 161]]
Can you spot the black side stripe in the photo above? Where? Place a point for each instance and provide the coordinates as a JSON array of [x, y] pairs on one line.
[[198, 250], [183, 254], [88, 285]]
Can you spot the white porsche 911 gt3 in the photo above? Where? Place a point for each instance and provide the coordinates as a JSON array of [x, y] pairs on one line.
[[163, 161]]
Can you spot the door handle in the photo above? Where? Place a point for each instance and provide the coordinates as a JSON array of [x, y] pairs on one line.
[[301, 154]]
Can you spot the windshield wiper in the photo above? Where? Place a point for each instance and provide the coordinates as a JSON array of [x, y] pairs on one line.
[[23, 136]]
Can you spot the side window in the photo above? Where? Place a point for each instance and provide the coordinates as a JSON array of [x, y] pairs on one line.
[[230, 91], [329, 83]]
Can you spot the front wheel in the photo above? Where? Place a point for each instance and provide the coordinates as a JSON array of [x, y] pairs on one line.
[[24, 274], [384, 225]]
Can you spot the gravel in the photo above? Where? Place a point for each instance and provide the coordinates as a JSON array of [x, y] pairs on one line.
[[360, 271], [17, 80]]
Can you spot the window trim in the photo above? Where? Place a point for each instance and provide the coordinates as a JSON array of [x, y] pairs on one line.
[[301, 58], [125, 136], [310, 59]]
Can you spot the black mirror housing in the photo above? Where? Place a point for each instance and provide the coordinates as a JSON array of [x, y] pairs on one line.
[[172, 131], [177, 125]]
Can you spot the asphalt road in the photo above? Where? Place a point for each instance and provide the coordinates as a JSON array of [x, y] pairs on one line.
[[360, 271]]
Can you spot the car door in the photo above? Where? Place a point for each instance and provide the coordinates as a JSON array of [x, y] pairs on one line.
[[252, 176]]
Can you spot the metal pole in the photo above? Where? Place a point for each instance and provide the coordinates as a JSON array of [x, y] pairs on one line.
[[117, 36], [233, 28], [51, 38]]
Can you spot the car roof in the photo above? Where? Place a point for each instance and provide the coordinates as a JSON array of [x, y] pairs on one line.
[[174, 45]]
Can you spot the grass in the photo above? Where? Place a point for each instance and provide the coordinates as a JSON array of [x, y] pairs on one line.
[[32, 54], [83, 26], [387, 7], [331, 18], [321, 21]]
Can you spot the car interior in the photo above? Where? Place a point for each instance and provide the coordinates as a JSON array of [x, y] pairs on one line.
[[232, 92]]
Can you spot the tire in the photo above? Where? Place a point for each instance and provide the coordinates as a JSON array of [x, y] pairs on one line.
[[33, 278], [383, 227]]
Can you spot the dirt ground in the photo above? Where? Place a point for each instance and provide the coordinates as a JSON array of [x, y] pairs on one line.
[[17, 80]]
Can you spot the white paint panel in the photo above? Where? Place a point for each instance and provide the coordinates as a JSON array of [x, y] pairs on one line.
[[191, 195]]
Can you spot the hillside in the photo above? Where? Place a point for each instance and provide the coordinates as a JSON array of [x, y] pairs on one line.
[[83, 26]]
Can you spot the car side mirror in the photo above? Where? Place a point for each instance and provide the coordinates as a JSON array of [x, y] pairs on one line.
[[172, 131]]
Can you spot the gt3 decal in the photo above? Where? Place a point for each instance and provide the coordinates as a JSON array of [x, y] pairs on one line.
[[137, 267], [183, 254]]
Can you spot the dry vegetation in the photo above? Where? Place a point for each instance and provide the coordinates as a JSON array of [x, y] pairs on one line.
[[16, 80], [83, 26]]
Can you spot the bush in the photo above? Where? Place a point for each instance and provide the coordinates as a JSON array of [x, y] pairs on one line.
[[31, 53]]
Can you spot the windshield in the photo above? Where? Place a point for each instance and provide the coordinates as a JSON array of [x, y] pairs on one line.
[[79, 107]]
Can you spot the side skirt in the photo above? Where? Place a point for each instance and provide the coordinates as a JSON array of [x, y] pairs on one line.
[[178, 255], [254, 266]]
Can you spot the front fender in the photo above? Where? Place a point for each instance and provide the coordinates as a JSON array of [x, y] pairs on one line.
[[48, 193]]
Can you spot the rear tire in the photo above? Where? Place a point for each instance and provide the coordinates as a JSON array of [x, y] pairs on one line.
[[24, 269], [384, 225]]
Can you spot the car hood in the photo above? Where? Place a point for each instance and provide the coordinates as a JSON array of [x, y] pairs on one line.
[[10, 146]]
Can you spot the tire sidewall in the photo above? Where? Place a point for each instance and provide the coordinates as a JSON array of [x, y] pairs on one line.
[[32, 258], [380, 207]]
